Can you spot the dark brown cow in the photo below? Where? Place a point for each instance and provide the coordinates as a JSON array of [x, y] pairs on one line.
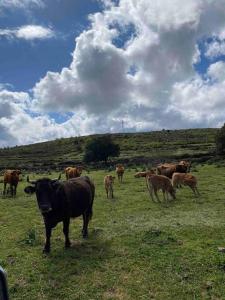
[[168, 169], [11, 177], [59, 201]]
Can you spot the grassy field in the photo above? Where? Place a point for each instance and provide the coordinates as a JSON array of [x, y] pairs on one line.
[[136, 249], [135, 148]]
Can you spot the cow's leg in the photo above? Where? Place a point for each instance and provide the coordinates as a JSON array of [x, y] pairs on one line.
[[11, 189], [4, 188], [48, 231], [107, 192], [156, 194], [66, 224], [149, 187], [164, 199], [112, 193], [14, 190], [151, 194], [197, 191], [193, 189], [85, 225]]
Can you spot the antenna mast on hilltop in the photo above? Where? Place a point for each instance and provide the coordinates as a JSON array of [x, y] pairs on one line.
[[122, 124]]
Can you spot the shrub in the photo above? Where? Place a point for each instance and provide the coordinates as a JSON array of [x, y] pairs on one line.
[[100, 149]]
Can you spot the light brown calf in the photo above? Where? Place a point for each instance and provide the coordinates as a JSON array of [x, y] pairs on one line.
[[11, 177], [160, 182], [120, 171], [186, 179], [144, 174], [73, 172], [108, 182]]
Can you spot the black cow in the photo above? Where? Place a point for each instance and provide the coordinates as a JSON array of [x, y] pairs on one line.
[[59, 201]]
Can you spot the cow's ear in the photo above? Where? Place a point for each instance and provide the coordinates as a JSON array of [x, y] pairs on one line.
[[29, 189]]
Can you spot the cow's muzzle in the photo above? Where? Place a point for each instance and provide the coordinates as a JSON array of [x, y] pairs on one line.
[[45, 210]]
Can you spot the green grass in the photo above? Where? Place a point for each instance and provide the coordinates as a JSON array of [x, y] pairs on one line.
[[136, 249], [135, 148]]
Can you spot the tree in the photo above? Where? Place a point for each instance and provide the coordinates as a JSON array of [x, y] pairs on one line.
[[220, 141], [100, 149]]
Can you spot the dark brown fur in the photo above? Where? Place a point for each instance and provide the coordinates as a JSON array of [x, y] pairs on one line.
[[60, 201]]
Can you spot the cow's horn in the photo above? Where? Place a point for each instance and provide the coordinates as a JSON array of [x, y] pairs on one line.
[[31, 181], [55, 179]]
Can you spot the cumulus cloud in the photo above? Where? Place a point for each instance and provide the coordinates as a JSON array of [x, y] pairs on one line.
[[28, 32], [162, 48], [22, 4], [135, 63], [215, 49]]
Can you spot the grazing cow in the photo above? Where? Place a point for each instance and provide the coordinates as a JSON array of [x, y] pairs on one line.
[[73, 172], [144, 174], [168, 169], [120, 171], [11, 177], [187, 164], [59, 201], [108, 182], [186, 179], [160, 182]]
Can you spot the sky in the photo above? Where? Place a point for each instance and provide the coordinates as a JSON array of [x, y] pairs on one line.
[[79, 67]]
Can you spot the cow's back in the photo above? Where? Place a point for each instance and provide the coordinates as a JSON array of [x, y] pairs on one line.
[[11, 176], [78, 195]]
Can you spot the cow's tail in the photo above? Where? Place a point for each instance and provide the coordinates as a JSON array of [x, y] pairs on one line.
[[92, 199], [91, 204]]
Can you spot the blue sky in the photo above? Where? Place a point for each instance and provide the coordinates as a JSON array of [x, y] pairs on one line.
[[33, 59], [70, 67]]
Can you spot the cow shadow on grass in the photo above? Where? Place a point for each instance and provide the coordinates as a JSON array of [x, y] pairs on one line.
[[84, 255]]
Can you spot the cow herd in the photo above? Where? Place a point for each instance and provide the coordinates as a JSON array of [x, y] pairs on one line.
[[59, 201]]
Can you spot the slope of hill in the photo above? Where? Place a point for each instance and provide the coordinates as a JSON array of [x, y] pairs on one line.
[[135, 148]]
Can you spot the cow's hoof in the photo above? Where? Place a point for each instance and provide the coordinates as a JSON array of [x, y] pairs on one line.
[[67, 245], [46, 251]]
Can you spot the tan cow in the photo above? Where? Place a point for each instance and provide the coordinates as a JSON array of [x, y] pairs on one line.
[[120, 171], [108, 182], [11, 177], [186, 179], [160, 182], [167, 169], [73, 172]]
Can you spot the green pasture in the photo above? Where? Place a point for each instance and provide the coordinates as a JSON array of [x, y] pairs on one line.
[[148, 146], [136, 249]]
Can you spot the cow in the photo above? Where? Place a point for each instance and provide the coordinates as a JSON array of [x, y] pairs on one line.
[[108, 182], [186, 179], [168, 169], [11, 177], [73, 172], [160, 182], [59, 201], [120, 171]]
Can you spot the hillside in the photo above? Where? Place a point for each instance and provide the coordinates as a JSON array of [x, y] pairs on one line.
[[135, 148]]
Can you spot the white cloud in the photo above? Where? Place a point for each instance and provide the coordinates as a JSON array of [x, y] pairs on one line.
[[134, 63], [163, 49], [215, 49], [217, 71], [22, 4], [199, 103], [28, 32]]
